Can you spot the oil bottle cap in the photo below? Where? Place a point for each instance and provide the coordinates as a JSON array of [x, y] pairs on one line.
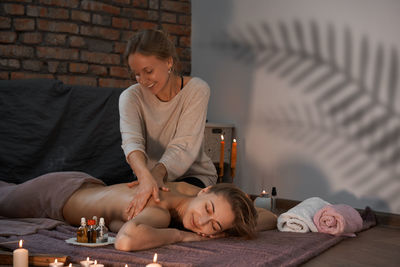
[[101, 221]]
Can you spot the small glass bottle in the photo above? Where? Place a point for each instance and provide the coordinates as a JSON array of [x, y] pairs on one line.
[[102, 232], [91, 233], [81, 233], [273, 199], [96, 221]]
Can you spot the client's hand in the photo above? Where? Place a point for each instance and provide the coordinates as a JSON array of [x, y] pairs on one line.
[[219, 235], [190, 236]]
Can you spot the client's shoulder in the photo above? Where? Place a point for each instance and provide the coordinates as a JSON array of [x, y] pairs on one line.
[[183, 188]]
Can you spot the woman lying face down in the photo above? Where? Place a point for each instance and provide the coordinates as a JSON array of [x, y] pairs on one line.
[[207, 213], [215, 211], [211, 212]]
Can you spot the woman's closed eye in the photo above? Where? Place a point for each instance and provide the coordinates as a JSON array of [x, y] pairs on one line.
[[215, 226], [210, 210]]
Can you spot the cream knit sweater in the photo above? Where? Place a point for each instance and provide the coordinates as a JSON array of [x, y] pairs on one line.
[[171, 133]]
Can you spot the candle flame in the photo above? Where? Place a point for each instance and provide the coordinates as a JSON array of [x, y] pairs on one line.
[[95, 262], [222, 137], [87, 259], [126, 265], [70, 265], [155, 257], [264, 192], [234, 140], [55, 261], [20, 243]]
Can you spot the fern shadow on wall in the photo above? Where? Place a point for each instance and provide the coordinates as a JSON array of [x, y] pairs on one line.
[[352, 87]]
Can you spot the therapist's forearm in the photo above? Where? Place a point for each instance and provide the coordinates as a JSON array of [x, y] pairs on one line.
[[137, 161], [159, 173]]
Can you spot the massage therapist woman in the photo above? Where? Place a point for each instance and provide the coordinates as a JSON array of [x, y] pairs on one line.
[[162, 120]]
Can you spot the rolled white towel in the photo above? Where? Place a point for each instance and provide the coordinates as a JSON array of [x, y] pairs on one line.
[[300, 217]]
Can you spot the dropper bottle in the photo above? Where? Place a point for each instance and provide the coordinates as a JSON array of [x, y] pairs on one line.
[[273, 199], [102, 232], [81, 233]]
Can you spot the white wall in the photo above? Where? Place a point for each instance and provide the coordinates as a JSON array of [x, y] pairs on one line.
[[295, 106]]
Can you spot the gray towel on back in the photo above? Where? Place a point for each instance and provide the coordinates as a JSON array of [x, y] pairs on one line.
[[42, 197]]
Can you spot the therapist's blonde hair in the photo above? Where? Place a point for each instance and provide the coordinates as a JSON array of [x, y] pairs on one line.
[[153, 43]]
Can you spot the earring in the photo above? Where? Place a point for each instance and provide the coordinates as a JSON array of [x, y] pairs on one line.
[[169, 71]]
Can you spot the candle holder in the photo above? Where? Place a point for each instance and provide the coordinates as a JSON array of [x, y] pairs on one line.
[[263, 201], [227, 177]]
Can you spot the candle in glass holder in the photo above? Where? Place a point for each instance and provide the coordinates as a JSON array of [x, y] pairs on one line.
[[56, 264], [221, 157], [263, 201], [154, 263], [87, 262], [20, 256], [233, 158]]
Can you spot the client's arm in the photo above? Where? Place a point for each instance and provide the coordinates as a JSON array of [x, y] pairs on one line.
[[266, 219], [149, 230]]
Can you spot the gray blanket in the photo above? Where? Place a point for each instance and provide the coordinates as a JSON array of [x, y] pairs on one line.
[[271, 248]]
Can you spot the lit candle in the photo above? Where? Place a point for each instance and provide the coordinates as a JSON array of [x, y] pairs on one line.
[[154, 263], [233, 158], [86, 263], [263, 201], [20, 256], [96, 264], [221, 158], [56, 263]]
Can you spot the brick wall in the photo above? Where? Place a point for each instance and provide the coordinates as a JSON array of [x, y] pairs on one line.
[[81, 42]]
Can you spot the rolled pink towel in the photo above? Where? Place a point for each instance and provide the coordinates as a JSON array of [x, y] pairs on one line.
[[339, 220]]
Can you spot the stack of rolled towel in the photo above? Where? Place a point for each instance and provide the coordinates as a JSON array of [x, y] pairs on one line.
[[317, 215]]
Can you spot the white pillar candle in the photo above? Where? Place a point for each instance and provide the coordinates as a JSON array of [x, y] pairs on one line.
[[56, 264], [154, 263], [20, 256], [87, 262], [96, 264]]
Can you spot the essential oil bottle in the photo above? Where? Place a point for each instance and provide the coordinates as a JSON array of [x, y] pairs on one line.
[[96, 221], [102, 232], [91, 232], [273, 199], [81, 233]]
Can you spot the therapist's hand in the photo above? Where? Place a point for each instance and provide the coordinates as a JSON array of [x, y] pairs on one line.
[[145, 189]]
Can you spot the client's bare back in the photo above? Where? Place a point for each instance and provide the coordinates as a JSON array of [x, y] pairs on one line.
[[97, 200], [110, 202]]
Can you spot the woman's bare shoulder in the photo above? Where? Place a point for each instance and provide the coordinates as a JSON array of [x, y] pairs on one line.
[[183, 188]]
